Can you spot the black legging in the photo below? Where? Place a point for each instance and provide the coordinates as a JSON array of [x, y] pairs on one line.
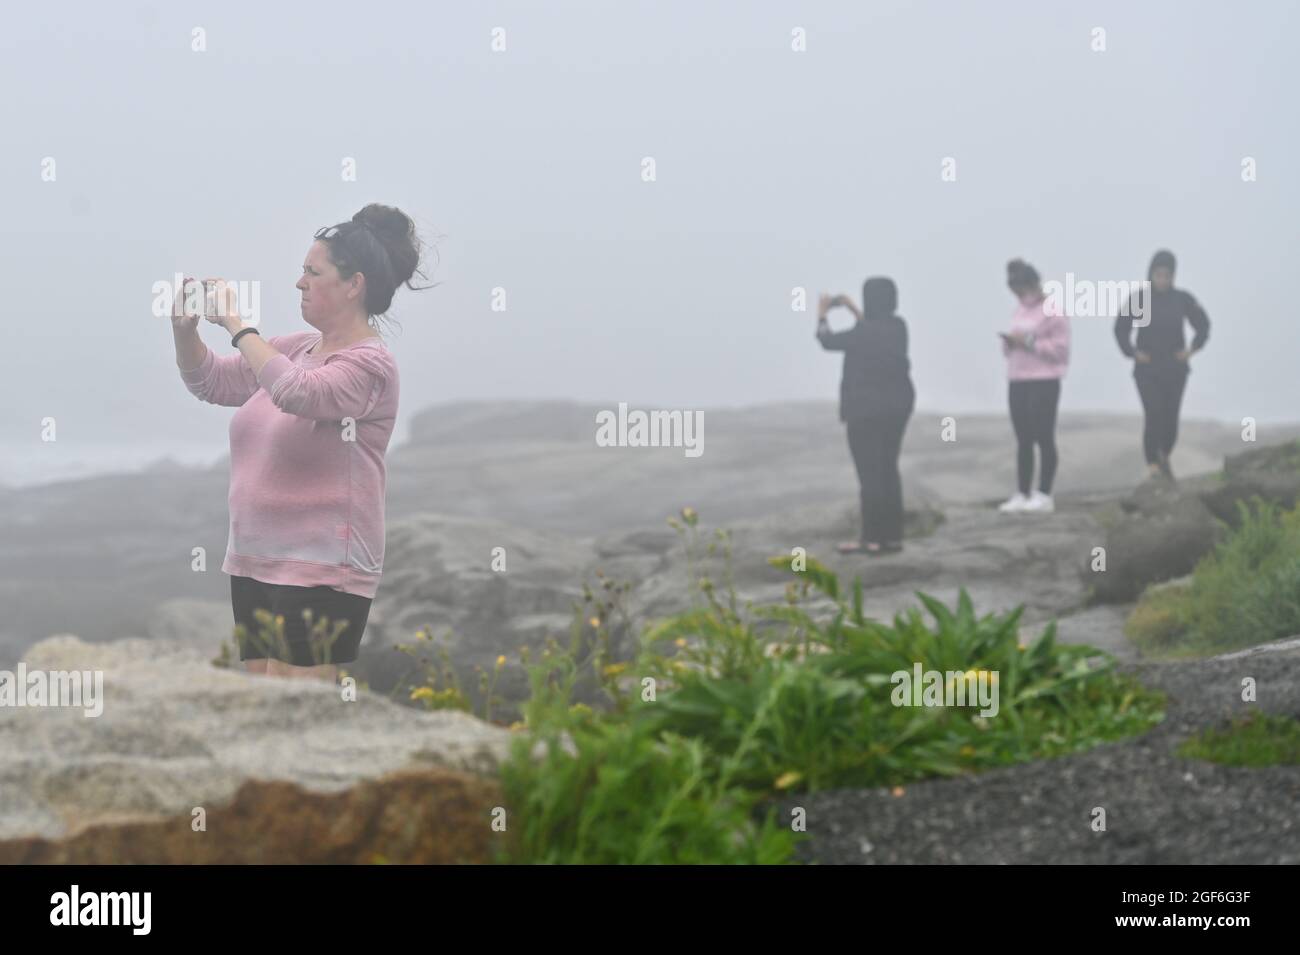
[[1161, 391], [1033, 416], [875, 443]]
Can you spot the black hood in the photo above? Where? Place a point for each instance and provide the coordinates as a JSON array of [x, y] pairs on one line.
[[1164, 258], [879, 298]]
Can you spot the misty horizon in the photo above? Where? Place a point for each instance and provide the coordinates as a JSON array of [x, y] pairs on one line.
[[526, 175]]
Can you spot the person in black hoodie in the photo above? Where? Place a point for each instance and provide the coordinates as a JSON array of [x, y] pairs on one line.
[[1160, 357], [876, 399]]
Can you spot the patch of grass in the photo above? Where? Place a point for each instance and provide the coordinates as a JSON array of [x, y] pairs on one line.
[[1157, 624], [726, 708], [1254, 740], [1246, 592], [1109, 515]]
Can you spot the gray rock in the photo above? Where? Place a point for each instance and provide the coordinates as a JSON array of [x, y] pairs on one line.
[[177, 732], [1162, 533], [1271, 472]]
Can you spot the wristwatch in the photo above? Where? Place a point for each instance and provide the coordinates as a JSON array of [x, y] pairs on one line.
[[242, 332]]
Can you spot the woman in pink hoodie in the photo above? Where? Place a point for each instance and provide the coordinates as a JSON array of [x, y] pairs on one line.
[[307, 445], [1038, 352]]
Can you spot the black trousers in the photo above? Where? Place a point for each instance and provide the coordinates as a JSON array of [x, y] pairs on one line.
[[875, 443], [300, 646], [1161, 390], [1033, 416]]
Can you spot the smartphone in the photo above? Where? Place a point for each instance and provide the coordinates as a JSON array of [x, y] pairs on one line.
[[209, 297]]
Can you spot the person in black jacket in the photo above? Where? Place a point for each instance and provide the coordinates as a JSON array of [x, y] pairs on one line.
[[1160, 357], [876, 399]]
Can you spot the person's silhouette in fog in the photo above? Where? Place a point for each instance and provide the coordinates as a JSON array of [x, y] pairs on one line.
[[876, 399], [1160, 355]]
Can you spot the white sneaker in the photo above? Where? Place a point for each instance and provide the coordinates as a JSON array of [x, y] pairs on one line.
[[1016, 502], [1040, 503]]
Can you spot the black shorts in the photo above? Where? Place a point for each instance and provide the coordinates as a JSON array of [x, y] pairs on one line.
[[297, 643]]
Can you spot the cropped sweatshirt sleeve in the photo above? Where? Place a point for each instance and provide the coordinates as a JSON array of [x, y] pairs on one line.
[[348, 384]]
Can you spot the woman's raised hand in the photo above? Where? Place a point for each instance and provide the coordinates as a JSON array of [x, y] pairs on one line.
[[180, 320], [220, 305]]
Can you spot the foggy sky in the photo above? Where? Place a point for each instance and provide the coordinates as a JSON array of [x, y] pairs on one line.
[[775, 169]]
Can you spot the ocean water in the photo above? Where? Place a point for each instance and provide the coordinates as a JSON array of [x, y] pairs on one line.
[[29, 465]]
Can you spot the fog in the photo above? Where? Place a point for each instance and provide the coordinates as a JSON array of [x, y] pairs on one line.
[[774, 169]]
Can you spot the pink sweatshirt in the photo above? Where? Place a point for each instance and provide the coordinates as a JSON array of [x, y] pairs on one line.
[[1049, 354], [306, 497]]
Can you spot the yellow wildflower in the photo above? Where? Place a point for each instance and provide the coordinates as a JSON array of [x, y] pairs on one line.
[[786, 780]]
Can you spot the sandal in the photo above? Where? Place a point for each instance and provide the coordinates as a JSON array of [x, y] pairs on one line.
[[850, 547]]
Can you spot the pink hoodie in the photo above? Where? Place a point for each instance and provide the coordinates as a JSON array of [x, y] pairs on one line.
[[1049, 354], [306, 495]]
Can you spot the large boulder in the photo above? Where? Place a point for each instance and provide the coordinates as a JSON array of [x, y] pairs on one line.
[[411, 817], [284, 770], [1159, 532], [1271, 472]]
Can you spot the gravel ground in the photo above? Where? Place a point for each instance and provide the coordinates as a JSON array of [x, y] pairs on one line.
[[1160, 808]]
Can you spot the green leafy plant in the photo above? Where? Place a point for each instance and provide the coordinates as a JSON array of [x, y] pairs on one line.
[[437, 686], [724, 709], [1244, 593]]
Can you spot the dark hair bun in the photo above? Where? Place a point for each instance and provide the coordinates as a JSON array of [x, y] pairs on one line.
[[381, 243], [396, 232]]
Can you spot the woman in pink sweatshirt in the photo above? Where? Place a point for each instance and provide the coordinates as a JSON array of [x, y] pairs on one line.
[[1038, 351], [307, 445]]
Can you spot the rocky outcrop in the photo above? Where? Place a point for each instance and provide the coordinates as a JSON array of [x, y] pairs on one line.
[[1271, 472], [416, 817], [511, 468], [1159, 533], [283, 770]]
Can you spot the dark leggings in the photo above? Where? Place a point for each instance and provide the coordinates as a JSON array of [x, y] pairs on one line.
[[1033, 416], [875, 443], [1162, 398], [300, 646]]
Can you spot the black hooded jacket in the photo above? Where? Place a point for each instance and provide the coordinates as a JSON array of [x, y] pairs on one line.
[[1163, 336], [876, 379]]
